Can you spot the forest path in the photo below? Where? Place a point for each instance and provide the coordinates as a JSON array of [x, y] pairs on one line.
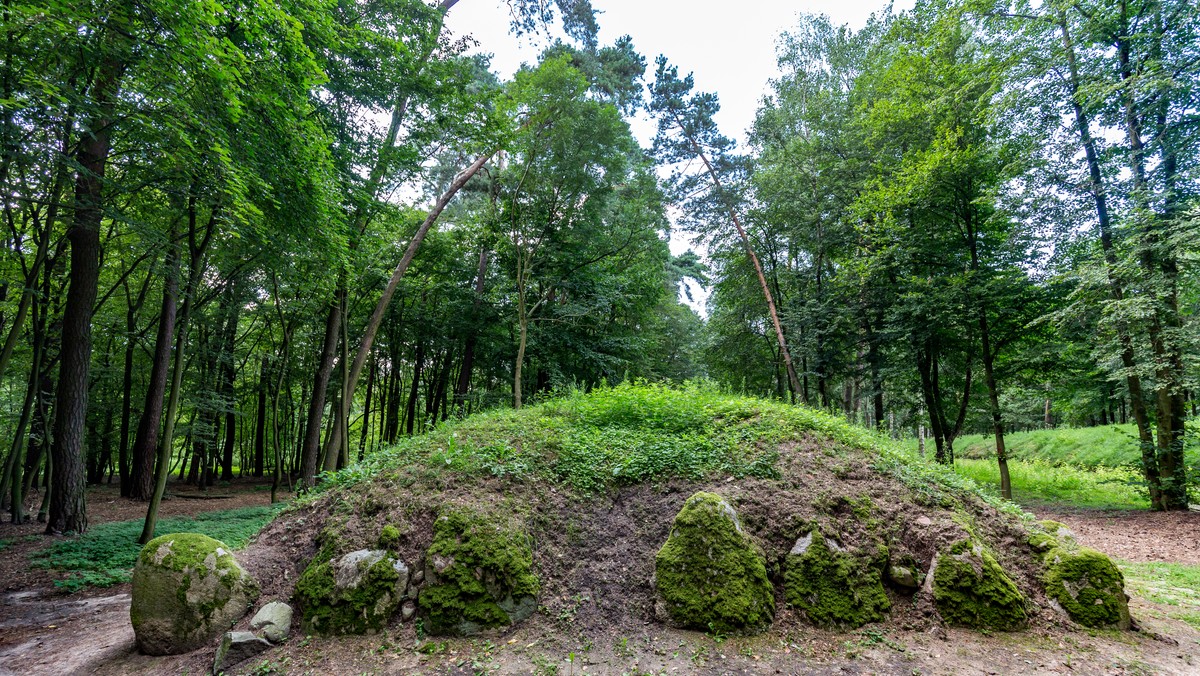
[[46, 631], [1138, 536]]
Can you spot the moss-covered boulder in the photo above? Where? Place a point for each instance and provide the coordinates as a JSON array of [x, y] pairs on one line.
[[709, 575], [1088, 585], [834, 587], [1048, 535], [353, 594], [188, 589], [971, 589], [478, 573]]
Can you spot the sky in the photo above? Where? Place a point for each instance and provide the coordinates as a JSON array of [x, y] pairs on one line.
[[728, 47]]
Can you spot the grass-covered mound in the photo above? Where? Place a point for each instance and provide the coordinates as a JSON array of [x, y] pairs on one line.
[[593, 482]]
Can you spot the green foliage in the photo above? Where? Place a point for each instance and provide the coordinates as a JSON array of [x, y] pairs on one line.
[[1041, 481], [833, 587], [972, 590], [709, 575], [106, 554]]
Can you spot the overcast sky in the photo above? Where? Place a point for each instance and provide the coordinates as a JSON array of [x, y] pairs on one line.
[[728, 46]]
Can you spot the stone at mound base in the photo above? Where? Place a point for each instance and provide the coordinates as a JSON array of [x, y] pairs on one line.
[[237, 647], [354, 594], [833, 587], [970, 589], [479, 574], [275, 621], [709, 575], [1089, 586], [187, 590]]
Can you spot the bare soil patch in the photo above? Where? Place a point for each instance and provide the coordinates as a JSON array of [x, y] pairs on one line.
[[1140, 536]]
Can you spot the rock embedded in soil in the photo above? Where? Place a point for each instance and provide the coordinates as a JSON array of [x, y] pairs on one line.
[[1086, 584], [709, 575], [274, 620], [187, 589], [478, 574], [237, 647], [353, 594], [835, 587], [971, 589]]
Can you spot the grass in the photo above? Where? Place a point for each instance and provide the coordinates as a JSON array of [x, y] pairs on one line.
[[1042, 481], [637, 432], [105, 555], [1174, 585], [1102, 446]]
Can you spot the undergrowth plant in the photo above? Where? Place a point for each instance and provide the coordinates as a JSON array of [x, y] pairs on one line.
[[105, 555]]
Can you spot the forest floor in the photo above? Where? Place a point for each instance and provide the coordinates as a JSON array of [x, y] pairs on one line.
[[46, 631]]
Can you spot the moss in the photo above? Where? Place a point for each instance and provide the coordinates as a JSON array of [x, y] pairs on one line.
[[480, 572], [972, 590], [364, 608], [1089, 586], [835, 588], [191, 583], [389, 537], [709, 574]]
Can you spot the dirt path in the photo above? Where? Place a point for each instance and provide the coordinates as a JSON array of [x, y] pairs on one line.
[[1143, 537], [45, 631]]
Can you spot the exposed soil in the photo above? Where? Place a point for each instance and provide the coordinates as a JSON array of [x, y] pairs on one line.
[[595, 558], [46, 631], [1134, 536]]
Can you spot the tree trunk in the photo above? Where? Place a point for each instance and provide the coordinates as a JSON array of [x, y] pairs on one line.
[[260, 421]]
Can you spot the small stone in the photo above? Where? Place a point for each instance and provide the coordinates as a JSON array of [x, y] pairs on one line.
[[418, 577], [408, 609], [237, 647], [902, 576], [275, 621], [924, 521]]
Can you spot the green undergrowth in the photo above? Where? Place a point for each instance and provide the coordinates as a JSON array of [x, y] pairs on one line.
[[1042, 481], [1175, 586], [1101, 446], [105, 555], [638, 432]]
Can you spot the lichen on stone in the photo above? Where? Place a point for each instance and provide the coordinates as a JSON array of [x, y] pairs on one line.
[[709, 575], [479, 574], [356, 593], [834, 587], [187, 589], [971, 589]]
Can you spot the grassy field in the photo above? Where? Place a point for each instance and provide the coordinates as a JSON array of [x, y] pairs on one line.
[[1102, 446], [1173, 585], [106, 554], [1039, 481]]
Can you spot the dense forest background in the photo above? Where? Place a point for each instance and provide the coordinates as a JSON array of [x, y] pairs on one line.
[[263, 239]]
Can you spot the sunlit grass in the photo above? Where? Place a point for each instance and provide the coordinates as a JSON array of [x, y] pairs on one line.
[[1174, 585], [1038, 481]]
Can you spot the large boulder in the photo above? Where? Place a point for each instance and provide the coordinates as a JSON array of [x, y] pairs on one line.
[[478, 573], [709, 575], [835, 587], [1086, 584], [187, 590], [971, 589], [353, 594]]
